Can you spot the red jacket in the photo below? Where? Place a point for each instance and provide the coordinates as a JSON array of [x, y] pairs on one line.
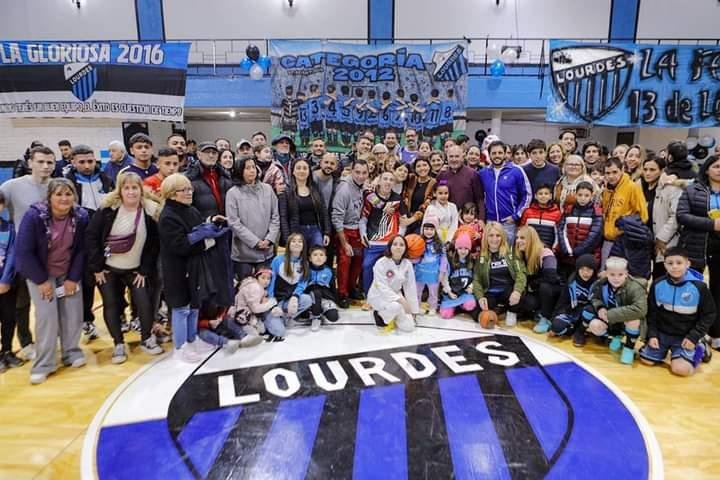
[[544, 220], [580, 231]]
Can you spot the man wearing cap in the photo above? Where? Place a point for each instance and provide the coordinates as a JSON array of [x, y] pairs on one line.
[[209, 181], [258, 138], [317, 151], [284, 147], [243, 148], [141, 148]]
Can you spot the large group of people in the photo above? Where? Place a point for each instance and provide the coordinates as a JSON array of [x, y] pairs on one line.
[[210, 246]]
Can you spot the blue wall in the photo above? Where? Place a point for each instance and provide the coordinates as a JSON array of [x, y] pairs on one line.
[[623, 19], [150, 20], [381, 21]]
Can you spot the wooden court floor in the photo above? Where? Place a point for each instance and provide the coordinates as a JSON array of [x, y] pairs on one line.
[[43, 426]]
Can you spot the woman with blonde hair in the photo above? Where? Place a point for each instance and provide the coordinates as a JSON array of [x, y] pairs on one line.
[[500, 278], [543, 284], [122, 246], [634, 159], [51, 256], [574, 172]]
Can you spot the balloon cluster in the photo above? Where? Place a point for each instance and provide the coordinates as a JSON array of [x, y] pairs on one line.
[[699, 148], [254, 63], [499, 57]]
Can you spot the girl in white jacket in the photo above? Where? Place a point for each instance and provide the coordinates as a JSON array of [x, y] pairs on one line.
[[445, 211], [392, 295]]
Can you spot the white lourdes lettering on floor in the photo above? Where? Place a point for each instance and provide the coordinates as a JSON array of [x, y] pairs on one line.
[[321, 380], [402, 360], [497, 357], [272, 386], [443, 353], [376, 368], [227, 396]]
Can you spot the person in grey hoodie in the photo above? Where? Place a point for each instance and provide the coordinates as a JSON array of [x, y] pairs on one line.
[[252, 213], [345, 218]]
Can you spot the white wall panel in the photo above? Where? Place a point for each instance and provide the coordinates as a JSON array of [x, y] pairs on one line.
[[61, 20], [223, 19], [678, 19]]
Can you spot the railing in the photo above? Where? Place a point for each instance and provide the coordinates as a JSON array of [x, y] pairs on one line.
[[222, 57]]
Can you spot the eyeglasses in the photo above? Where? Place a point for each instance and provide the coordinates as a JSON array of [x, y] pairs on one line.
[[185, 190]]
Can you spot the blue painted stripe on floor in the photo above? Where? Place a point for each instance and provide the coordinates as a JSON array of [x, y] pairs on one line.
[[139, 450], [545, 410], [605, 441], [286, 453], [474, 445], [205, 434], [381, 438]]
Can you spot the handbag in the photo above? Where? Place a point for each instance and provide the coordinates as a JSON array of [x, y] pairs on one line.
[[115, 244]]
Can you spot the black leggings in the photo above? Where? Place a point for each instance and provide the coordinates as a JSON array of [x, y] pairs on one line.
[[112, 292], [544, 300], [714, 270], [499, 301], [7, 318]]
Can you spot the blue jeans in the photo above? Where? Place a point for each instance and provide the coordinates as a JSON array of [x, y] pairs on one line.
[[184, 325], [510, 230], [312, 234], [276, 324], [228, 329], [370, 256]]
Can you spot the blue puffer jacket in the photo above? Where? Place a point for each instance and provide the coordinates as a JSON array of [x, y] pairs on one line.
[[507, 192], [635, 245]]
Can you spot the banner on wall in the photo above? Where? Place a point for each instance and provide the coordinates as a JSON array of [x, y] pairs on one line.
[[628, 84], [138, 81], [337, 90]]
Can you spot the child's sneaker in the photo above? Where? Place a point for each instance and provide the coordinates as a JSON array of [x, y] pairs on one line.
[[627, 356], [615, 344], [119, 356], [579, 337], [250, 341], [707, 351], [273, 338], [90, 332], [315, 324], [231, 346], [510, 319], [151, 347], [542, 326], [379, 322]]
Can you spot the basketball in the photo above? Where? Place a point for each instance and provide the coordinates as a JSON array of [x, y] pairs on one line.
[[415, 245], [488, 319]]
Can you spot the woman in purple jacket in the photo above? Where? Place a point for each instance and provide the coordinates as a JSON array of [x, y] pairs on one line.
[[50, 255]]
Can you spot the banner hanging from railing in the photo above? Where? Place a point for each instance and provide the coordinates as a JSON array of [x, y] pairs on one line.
[[337, 90], [634, 85], [134, 81]]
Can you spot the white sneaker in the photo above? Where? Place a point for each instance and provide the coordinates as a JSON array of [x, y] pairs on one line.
[[28, 352], [187, 354], [231, 346], [78, 362], [151, 347], [38, 378], [315, 324], [119, 355], [202, 347], [250, 341], [715, 343], [510, 319]]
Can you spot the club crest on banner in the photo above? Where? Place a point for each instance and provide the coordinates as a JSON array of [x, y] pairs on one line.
[[590, 80], [82, 79], [450, 65]]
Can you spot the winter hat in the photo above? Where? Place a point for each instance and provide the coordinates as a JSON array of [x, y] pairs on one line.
[[431, 220], [586, 260], [463, 241]]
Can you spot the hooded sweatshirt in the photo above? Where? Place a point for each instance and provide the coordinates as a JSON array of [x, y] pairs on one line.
[[347, 205]]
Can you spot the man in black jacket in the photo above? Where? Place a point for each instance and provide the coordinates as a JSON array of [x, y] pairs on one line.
[[91, 185], [210, 182]]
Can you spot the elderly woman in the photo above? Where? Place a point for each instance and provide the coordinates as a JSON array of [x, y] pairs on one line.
[[252, 213], [122, 246], [51, 256], [573, 173]]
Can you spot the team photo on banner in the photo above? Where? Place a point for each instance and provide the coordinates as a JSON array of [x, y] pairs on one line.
[[93, 80], [336, 90], [629, 84]]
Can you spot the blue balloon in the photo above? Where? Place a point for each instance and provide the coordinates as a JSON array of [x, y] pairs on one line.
[[245, 64], [264, 62], [497, 68]]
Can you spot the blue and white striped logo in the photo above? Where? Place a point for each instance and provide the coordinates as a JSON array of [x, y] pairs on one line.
[[450, 65], [82, 79]]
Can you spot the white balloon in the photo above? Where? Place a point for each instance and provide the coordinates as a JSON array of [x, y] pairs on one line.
[[493, 52], [691, 142], [256, 72], [509, 55], [707, 141]]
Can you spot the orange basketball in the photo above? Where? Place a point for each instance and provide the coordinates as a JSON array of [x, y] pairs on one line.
[[488, 319], [416, 245]]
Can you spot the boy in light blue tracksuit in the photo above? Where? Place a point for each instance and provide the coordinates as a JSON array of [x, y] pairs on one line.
[[507, 190]]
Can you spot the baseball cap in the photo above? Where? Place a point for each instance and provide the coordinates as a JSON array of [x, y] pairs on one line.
[[207, 146]]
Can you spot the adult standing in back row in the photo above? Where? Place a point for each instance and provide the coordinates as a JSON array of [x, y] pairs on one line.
[[463, 182], [539, 171]]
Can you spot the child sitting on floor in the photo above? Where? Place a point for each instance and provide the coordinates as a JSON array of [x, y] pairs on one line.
[[252, 302], [574, 298], [321, 285]]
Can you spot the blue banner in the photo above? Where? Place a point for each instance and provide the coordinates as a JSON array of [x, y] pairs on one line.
[[337, 90], [634, 85], [134, 81]]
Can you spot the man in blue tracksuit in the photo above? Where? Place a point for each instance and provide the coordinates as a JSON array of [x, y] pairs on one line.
[[507, 190]]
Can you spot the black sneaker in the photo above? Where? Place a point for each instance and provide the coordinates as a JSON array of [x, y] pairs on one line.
[[579, 337], [90, 331], [11, 360], [343, 302], [707, 353], [273, 338], [357, 295]]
